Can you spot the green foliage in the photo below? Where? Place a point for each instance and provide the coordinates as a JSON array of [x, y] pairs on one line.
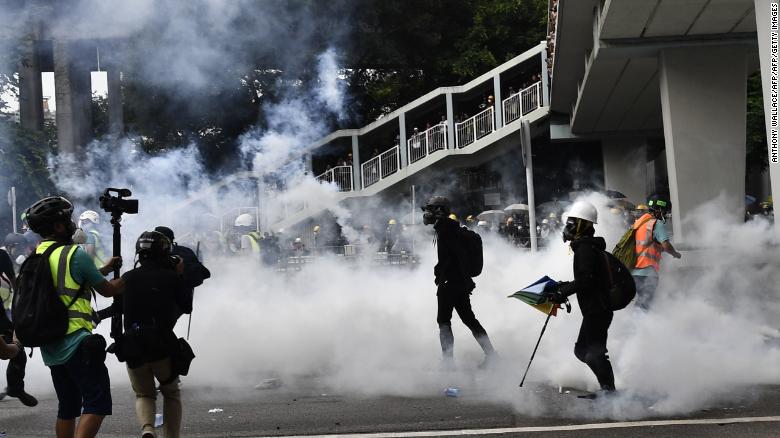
[[757, 154]]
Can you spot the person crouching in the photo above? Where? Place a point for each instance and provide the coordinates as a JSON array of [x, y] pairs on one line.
[[154, 292]]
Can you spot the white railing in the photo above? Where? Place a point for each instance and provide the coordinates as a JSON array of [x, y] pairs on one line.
[[340, 175], [380, 167], [522, 103], [473, 129], [427, 142]]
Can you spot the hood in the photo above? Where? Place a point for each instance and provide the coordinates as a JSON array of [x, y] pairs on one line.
[[597, 242]]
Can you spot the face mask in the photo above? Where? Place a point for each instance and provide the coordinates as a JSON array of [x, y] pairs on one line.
[[79, 237], [570, 230]]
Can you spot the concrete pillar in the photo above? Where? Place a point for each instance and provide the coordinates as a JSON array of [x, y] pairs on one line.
[[402, 146], [545, 79], [497, 110], [625, 167], [73, 93], [703, 101], [116, 118], [450, 122], [767, 15], [357, 176], [30, 88]]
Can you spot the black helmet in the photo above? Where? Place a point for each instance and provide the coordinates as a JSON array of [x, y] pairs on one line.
[[167, 232], [659, 203], [42, 214], [438, 207], [152, 245]]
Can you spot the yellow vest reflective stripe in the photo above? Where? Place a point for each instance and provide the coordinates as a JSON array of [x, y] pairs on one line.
[[254, 236], [80, 313], [5, 295]]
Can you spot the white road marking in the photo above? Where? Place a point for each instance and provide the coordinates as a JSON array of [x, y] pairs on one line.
[[507, 430]]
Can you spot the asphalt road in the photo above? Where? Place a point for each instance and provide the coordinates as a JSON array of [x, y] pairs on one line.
[[308, 408]]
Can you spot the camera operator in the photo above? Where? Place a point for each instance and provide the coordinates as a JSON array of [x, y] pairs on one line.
[[194, 271], [76, 361], [154, 293]]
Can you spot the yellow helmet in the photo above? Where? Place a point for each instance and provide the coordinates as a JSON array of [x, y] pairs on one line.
[[642, 207], [470, 218], [316, 229], [453, 217], [391, 222]]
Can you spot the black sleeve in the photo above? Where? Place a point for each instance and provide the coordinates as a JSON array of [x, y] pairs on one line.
[[182, 293], [194, 271], [586, 272], [6, 265]]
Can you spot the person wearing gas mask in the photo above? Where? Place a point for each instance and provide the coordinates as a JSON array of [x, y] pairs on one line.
[[76, 361], [88, 221], [454, 285], [590, 283], [652, 240], [154, 292], [17, 364], [194, 271]]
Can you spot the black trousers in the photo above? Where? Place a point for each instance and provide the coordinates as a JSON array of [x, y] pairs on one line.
[[14, 374], [461, 303], [591, 347]]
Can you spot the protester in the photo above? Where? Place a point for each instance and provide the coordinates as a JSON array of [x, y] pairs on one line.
[[194, 271], [17, 364], [652, 240], [155, 292], [76, 361], [590, 284], [88, 222], [454, 285]]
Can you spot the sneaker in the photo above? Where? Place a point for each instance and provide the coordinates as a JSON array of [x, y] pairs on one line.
[[25, 398]]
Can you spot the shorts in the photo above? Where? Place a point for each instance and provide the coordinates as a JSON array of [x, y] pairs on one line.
[[81, 388]]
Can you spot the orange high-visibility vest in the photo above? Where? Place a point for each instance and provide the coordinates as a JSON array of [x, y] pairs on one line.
[[648, 251]]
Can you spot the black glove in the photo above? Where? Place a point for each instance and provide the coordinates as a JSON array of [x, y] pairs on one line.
[[556, 297]]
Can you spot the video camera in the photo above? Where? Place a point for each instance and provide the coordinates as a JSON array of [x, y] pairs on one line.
[[116, 205]]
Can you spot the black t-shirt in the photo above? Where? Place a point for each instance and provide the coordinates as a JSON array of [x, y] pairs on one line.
[[153, 293]]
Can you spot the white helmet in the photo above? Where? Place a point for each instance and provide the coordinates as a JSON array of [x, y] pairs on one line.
[[91, 216], [244, 220], [482, 223], [298, 240], [583, 210]]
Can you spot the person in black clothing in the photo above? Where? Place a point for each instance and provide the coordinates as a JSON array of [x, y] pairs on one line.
[[194, 271], [154, 293], [454, 285], [590, 284], [17, 365]]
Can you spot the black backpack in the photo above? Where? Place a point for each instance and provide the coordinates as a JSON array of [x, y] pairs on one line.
[[472, 243], [621, 289], [39, 315]]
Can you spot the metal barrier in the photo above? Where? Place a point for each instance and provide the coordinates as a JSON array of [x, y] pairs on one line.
[[341, 175], [473, 129], [427, 142], [380, 167], [522, 102]]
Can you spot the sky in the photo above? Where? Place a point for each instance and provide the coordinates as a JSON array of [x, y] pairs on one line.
[[99, 87]]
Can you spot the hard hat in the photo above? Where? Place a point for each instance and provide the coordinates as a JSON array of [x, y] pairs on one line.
[[545, 221], [91, 216], [316, 229], [391, 222], [482, 223], [453, 216], [642, 207], [658, 202], [298, 240], [553, 216], [583, 210], [244, 220]]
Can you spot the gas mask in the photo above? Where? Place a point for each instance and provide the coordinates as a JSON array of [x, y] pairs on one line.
[[570, 229], [431, 214]]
